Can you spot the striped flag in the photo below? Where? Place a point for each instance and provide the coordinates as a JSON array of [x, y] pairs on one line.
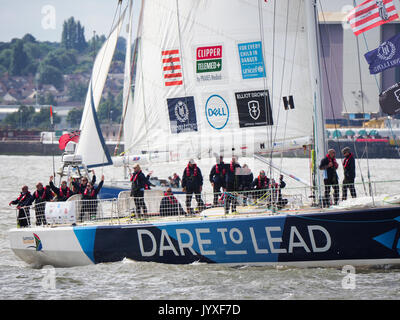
[[371, 14], [51, 115], [172, 68]]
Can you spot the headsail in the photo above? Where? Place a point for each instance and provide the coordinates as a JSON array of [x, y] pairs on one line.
[[91, 144], [211, 77]]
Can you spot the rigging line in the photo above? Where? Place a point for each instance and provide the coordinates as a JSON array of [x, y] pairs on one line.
[[363, 110], [131, 66], [358, 158], [380, 90], [265, 80], [135, 50], [94, 39], [109, 110], [182, 62], [327, 78], [111, 30], [282, 78]]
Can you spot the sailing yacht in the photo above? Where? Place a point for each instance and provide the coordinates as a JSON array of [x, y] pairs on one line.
[[232, 78]]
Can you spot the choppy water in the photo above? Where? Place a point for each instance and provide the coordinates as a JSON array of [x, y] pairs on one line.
[[151, 281]]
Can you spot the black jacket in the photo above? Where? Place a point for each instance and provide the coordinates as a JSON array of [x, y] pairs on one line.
[[90, 195], [330, 172], [233, 181], [43, 195], [170, 206], [218, 178], [349, 167], [80, 188], [192, 179], [139, 182], [23, 200], [260, 185], [62, 195], [247, 181]]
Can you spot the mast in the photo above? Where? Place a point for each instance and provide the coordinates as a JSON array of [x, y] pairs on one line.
[[320, 147]]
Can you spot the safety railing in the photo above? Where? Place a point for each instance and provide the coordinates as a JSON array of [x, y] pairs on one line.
[[156, 205]]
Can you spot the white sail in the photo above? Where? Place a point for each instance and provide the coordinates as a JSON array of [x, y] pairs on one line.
[[91, 144], [203, 72]]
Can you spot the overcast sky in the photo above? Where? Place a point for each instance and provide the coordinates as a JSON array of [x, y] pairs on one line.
[[44, 18]]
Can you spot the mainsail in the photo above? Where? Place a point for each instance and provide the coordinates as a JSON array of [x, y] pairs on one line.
[[211, 77], [91, 144]]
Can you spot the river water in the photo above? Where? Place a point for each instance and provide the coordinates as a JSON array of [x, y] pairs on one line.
[[151, 281]]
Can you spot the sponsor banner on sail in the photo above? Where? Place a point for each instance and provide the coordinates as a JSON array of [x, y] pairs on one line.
[[389, 100], [386, 56], [182, 114], [251, 60], [254, 108], [371, 14], [217, 111], [209, 63], [172, 68]]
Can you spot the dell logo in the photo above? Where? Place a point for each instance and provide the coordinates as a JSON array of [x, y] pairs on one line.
[[217, 112]]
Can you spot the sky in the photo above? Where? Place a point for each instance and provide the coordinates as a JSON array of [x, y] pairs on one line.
[[44, 18]]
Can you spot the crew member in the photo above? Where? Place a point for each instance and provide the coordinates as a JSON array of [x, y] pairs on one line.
[[81, 186], [217, 178], [192, 183], [349, 168], [170, 205], [331, 179], [24, 200], [276, 189], [139, 183], [41, 196], [260, 184], [233, 182], [89, 197], [63, 192]]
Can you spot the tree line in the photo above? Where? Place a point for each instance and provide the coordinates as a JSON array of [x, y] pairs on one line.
[[48, 62]]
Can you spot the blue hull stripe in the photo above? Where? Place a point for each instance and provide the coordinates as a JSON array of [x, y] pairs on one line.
[[354, 235]]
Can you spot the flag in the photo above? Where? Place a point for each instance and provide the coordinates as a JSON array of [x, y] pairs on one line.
[[386, 56], [370, 14], [51, 115], [172, 68], [65, 138], [389, 100]]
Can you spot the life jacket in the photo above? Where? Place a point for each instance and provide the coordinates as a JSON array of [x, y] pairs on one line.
[[22, 196], [62, 193], [92, 193], [171, 198], [194, 172], [232, 167], [43, 196], [218, 171], [346, 160], [332, 160], [274, 185], [264, 182], [135, 176]]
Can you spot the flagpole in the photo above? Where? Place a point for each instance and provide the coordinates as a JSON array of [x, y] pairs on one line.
[[53, 132]]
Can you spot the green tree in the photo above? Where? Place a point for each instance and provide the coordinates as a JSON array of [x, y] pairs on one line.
[[74, 117], [19, 59], [73, 35], [21, 118], [77, 91], [51, 75], [41, 119], [110, 109]]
